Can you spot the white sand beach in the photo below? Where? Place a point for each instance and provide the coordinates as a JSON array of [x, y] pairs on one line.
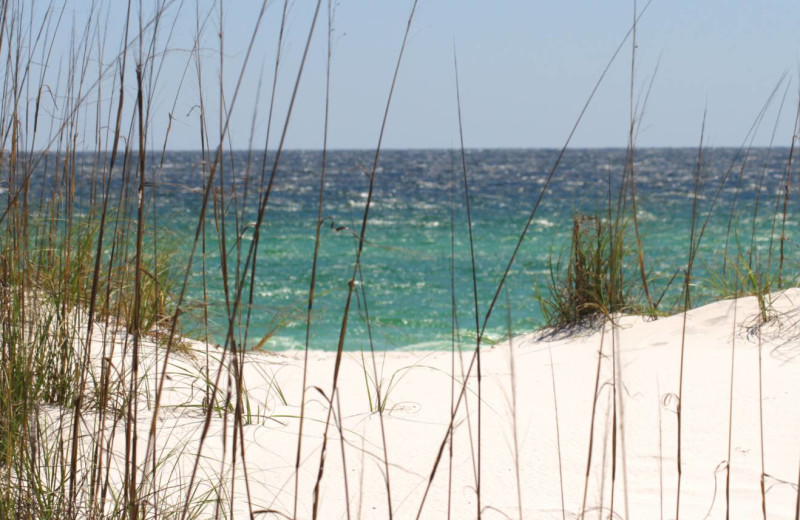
[[546, 403]]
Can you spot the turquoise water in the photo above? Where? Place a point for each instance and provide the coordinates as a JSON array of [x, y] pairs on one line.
[[406, 261]]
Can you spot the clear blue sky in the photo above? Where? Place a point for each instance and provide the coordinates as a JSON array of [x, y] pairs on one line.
[[526, 69]]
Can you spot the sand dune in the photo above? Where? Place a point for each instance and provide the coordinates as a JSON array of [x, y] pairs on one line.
[[544, 400]]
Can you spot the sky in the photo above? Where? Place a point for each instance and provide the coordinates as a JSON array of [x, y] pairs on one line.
[[526, 69]]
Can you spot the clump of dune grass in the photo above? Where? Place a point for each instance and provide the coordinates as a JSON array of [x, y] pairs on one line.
[[592, 284], [67, 272]]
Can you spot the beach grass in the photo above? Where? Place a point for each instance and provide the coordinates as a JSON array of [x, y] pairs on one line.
[[97, 367]]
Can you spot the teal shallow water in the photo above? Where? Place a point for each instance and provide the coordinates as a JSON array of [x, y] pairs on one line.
[[406, 261]]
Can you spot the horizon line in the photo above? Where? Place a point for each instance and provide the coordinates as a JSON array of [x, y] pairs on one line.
[[442, 149]]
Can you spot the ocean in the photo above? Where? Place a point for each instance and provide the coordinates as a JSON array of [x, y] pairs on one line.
[[417, 230]]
